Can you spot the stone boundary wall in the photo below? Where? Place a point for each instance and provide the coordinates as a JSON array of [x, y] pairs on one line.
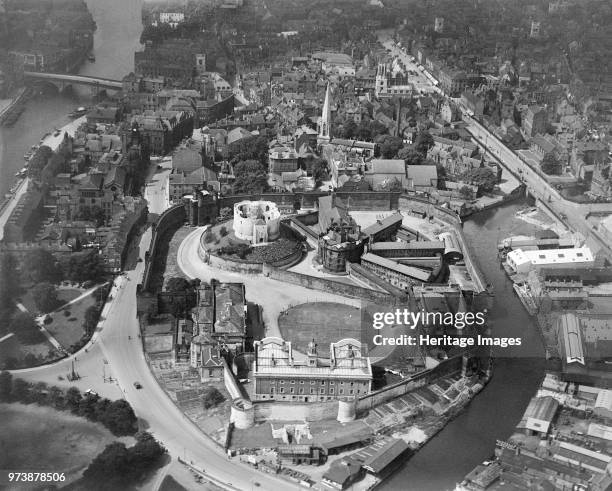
[[423, 205], [231, 385], [409, 203], [297, 224], [446, 367], [359, 200], [367, 276], [170, 217], [325, 285]]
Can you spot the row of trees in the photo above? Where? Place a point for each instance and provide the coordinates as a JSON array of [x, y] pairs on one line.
[[366, 130], [121, 467], [118, 416], [39, 265]]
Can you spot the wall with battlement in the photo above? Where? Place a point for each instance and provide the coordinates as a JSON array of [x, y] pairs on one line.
[[325, 285], [169, 218]]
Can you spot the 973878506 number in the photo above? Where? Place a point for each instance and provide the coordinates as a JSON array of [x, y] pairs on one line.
[[16, 477]]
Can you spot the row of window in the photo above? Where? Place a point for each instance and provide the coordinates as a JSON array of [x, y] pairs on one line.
[[314, 391], [312, 382]]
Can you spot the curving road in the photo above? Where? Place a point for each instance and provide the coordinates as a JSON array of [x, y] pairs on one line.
[[117, 341]]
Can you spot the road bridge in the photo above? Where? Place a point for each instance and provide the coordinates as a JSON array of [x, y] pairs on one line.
[[63, 80]]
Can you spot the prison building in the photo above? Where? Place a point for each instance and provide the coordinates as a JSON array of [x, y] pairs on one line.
[[399, 275]]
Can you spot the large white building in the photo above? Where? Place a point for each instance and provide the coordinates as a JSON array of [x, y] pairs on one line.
[[525, 261], [279, 376], [256, 221]]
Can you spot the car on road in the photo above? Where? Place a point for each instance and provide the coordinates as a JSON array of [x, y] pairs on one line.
[[137, 385]]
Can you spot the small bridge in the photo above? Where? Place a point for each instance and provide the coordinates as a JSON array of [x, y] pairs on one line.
[[62, 80]]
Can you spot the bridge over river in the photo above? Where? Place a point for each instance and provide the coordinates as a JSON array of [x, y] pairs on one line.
[[63, 80]]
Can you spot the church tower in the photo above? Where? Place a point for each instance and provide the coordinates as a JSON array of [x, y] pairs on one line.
[[382, 81], [325, 121]]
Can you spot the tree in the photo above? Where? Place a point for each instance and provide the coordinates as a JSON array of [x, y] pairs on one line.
[[251, 177], [45, 297], [550, 165], [90, 319], [465, 192], [411, 156], [111, 469], [40, 265], [423, 142], [9, 288], [6, 386], [212, 397], [83, 266], [25, 328], [73, 399], [146, 453], [87, 407], [223, 231], [482, 177], [119, 467], [250, 148], [119, 418], [56, 397], [225, 213], [21, 391], [319, 170], [178, 284], [389, 146]]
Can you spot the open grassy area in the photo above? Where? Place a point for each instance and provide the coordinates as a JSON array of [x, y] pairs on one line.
[[43, 439], [64, 295], [68, 329], [12, 349], [325, 322]]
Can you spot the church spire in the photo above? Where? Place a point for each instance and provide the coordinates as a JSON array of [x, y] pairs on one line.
[[325, 122]]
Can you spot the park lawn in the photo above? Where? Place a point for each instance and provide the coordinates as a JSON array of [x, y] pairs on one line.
[[68, 330], [43, 439], [64, 295], [13, 348], [325, 322]]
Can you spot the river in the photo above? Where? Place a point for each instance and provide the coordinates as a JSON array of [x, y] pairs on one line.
[[115, 40], [468, 439]]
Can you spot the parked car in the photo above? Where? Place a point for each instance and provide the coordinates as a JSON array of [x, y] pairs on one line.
[[137, 385]]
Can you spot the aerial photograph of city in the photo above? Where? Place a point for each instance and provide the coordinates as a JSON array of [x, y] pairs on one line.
[[306, 244]]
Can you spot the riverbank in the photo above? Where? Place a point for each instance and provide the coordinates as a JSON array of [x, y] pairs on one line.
[[22, 185], [7, 107]]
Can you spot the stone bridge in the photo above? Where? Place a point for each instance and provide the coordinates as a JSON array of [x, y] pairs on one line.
[[63, 80]]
